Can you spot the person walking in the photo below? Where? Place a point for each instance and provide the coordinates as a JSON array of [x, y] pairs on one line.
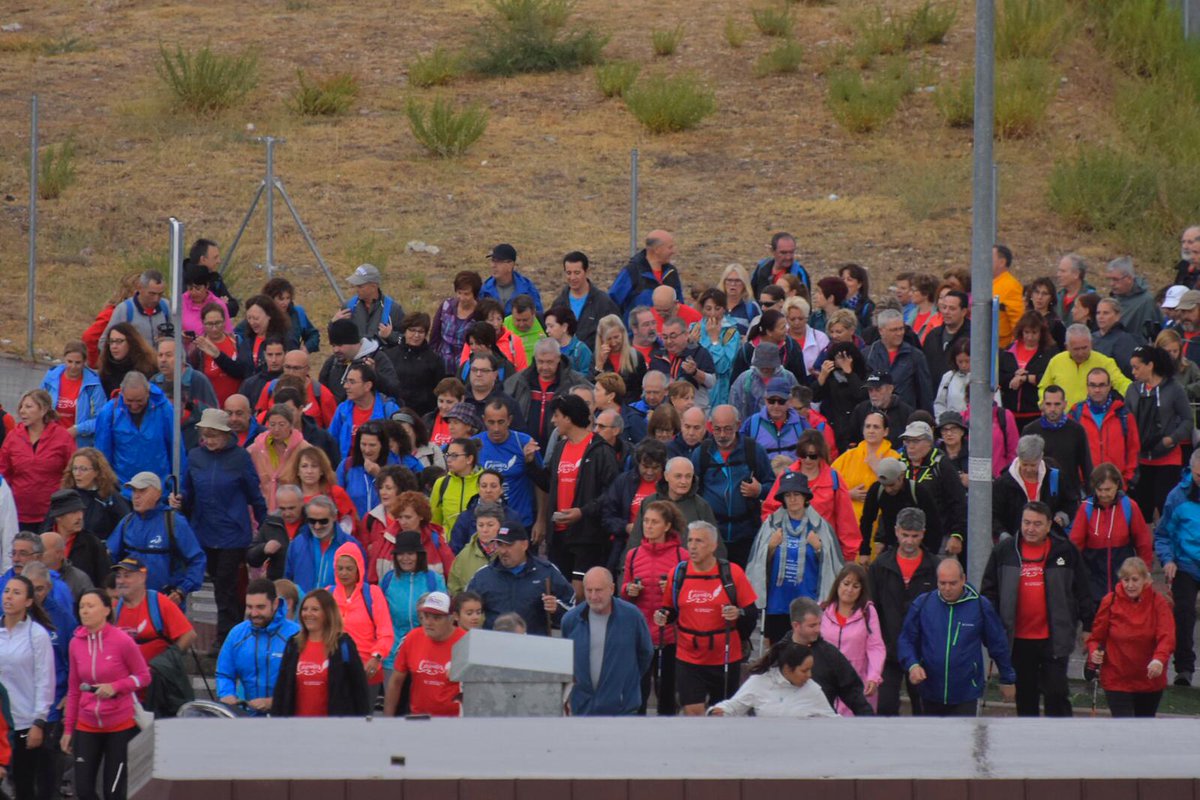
[[320, 674]]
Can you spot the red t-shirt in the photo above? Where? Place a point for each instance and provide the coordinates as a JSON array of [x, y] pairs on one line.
[[908, 566], [258, 340], [700, 601], [644, 490], [892, 356], [1031, 489], [440, 435], [223, 383], [614, 361], [360, 417], [428, 665], [568, 474], [1023, 354], [135, 621], [312, 681], [685, 313], [68, 394], [1032, 622]]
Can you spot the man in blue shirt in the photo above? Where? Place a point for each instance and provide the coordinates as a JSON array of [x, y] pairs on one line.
[[250, 657], [506, 283], [515, 456]]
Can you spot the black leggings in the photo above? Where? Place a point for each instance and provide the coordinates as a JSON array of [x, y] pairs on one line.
[[27, 765], [661, 673], [112, 748], [1133, 704]]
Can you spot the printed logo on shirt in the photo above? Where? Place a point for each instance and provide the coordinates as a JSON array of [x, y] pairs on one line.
[[427, 667], [568, 470], [500, 466], [307, 669], [156, 541], [699, 596]]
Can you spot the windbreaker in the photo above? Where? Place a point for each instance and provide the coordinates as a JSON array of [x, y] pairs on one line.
[[248, 665], [369, 626], [131, 448], [107, 656], [91, 399]]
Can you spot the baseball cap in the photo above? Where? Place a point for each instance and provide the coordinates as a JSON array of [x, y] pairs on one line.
[[513, 532], [778, 387], [144, 480], [130, 563], [918, 430], [1189, 300], [435, 602], [503, 252], [1173, 296], [882, 378], [364, 274], [889, 471]]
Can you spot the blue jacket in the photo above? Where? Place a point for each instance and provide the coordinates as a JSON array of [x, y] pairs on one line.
[[341, 428], [91, 399], [402, 590], [521, 285], [719, 483], [251, 657], [360, 487], [132, 449], [504, 590], [579, 356], [303, 329], [945, 639], [627, 655], [764, 269], [1177, 537], [309, 568], [636, 282], [772, 439], [219, 490], [464, 525], [145, 537]]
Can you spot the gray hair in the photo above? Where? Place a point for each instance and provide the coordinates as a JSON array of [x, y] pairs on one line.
[[488, 508], [614, 419], [637, 311], [1078, 331], [1031, 448], [27, 536], [708, 527], [547, 347], [35, 570], [1078, 263], [511, 622], [676, 322], [323, 501], [1123, 265], [688, 462], [1112, 302], [290, 488], [803, 607], [911, 519], [658, 376], [888, 315], [150, 276], [134, 380]]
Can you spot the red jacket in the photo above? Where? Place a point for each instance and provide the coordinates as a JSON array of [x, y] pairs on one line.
[[321, 409], [1132, 633], [91, 336], [1107, 529], [650, 561], [831, 500], [816, 420], [1114, 441], [378, 536], [35, 475]]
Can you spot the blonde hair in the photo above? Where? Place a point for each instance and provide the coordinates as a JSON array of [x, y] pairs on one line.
[[1132, 565], [607, 325], [42, 398], [844, 317], [797, 302], [739, 272]]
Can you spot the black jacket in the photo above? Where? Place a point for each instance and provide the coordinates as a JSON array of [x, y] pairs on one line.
[[89, 554], [1023, 400], [596, 306], [897, 416], [937, 350], [950, 496], [1068, 593], [333, 371], [838, 679], [101, 516], [347, 682], [532, 404], [1008, 498], [252, 387], [597, 471], [892, 597], [1067, 448], [840, 397], [317, 436], [271, 529], [883, 506], [418, 370]]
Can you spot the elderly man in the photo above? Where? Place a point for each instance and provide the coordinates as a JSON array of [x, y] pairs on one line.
[[29, 549], [1012, 295], [776, 426], [319, 404], [679, 486], [649, 268], [535, 388], [1040, 585], [310, 557], [886, 498], [1187, 271], [196, 386], [928, 466], [88, 552], [1070, 369], [679, 359], [241, 421], [748, 391], [276, 531], [506, 283], [906, 364], [612, 650], [146, 311], [882, 398], [665, 305], [515, 581], [953, 307], [693, 430], [1071, 278], [374, 314], [1138, 306], [589, 303], [1111, 338], [941, 645], [1066, 442], [1011, 491], [161, 540], [135, 430], [654, 392], [54, 556], [351, 349], [782, 261]]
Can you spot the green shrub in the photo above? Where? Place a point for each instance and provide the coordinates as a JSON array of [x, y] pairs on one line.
[[66, 44], [667, 42], [1145, 37], [436, 69], [444, 131], [324, 96], [1024, 90], [204, 82], [862, 107], [532, 36], [1032, 28], [735, 35], [877, 35], [615, 77], [956, 101], [56, 169], [1100, 189], [783, 57], [665, 105], [930, 188], [929, 23], [773, 20], [1158, 118]]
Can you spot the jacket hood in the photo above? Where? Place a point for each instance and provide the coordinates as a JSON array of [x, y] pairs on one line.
[[351, 549], [969, 593], [276, 622], [1014, 469], [366, 348], [157, 397]]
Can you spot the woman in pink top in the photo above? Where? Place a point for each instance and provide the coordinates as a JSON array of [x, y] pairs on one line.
[[366, 619], [98, 722], [272, 450], [196, 279], [851, 624]]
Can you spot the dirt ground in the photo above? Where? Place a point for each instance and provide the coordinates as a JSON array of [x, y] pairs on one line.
[[550, 174]]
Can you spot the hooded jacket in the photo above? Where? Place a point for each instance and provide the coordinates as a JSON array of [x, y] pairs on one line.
[[418, 370], [770, 694], [310, 567], [146, 537], [533, 405], [759, 569], [1132, 633], [775, 439], [380, 535], [831, 500], [597, 471], [909, 371], [1108, 536], [636, 282], [1160, 412], [402, 590], [450, 496], [627, 655], [464, 525], [342, 427], [371, 629], [1009, 498], [333, 372], [268, 473], [860, 640], [131, 448], [229, 475], [87, 405], [650, 562], [469, 560], [1177, 536], [1138, 307], [272, 529], [248, 665], [1115, 440], [34, 474], [107, 656], [945, 637], [102, 514]]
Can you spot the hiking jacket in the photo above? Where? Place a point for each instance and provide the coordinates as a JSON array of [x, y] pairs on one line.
[[87, 405], [147, 538], [635, 284], [107, 656], [35, 474], [220, 489], [248, 665], [893, 597], [347, 681], [504, 590], [627, 655], [132, 448], [1116, 440], [1132, 633]]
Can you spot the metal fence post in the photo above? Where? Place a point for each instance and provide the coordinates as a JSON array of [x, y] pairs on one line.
[[270, 182], [176, 267], [33, 198], [633, 202]]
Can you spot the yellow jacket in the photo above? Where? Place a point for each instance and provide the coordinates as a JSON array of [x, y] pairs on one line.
[[854, 470], [1012, 304], [1072, 377]]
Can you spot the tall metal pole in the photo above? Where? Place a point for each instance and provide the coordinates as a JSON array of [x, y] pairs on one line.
[[33, 198], [983, 348], [270, 183], [177, 312], [633, 202], [995, 201]]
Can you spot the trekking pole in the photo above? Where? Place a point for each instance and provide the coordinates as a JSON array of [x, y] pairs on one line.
[[1096, 685], [549, 614], [658, 651], [725, 688], [203, 677]]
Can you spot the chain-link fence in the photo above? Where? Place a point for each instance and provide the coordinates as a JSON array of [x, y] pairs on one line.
[[16, 378]]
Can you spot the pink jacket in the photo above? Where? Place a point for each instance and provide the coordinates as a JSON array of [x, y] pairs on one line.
[[861, 642], [108, 656], [372, 630], [268, 475]]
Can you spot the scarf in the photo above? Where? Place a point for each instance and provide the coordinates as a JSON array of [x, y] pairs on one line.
[[794, 529], [1047, 425]]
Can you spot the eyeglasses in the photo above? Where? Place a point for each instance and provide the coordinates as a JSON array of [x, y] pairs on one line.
[[810, 456], [1097, 385], [115, 340], [776, 401], [318, 522], [214, 323], [455, 455], [482, 371]]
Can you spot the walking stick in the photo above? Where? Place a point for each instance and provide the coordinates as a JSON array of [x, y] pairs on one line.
[[203, 677], [725, 688], [1095, 684], [658, 651], [549, 614]]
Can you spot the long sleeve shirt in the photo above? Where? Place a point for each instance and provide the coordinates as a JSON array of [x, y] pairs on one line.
[[27, 671]]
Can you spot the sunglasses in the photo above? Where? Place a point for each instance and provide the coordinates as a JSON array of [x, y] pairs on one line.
[[318, 522], [776, 401], [767, 304], [810, 456]]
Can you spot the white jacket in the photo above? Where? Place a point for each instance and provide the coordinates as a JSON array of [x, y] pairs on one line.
[[9, 525], [772, 695], [27, 671]]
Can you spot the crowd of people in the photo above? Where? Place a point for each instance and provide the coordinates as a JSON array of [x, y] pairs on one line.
[[667, 477]]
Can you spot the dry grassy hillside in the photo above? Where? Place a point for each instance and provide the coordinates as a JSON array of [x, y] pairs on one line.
[[549, 175]]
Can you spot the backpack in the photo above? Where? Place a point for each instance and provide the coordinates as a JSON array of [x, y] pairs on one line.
[[1122, 415], [1126, 509], [430, 582], [153, 599], [131, 311], [387, 308], [169, 515], [723, 571]]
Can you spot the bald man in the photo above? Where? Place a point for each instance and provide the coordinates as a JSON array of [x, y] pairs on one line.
[[693, 430], [54, 556], [320, 403], [666, 305], [243, 424], [612, 649], [649, 268]]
